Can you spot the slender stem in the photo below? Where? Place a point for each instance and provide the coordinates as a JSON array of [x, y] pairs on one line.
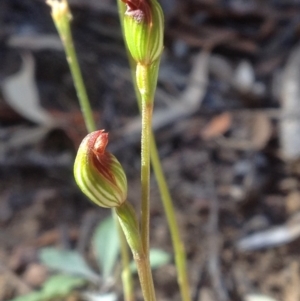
[[127, 280], [142, 257], [143, 263], [130, 226], [179, 250], [142, 78], [78, 82], [91, 126], [61, 16], [145, 173], [145, 275], [178, 246]]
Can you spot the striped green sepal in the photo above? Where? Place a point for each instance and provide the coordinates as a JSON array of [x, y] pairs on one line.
[[98, 173], [144, 30]]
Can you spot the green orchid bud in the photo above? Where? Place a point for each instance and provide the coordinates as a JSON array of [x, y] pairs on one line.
[[98, 173], [144, 28]]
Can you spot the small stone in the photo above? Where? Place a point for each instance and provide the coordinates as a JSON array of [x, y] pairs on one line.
[[292, 202], [35, 275], [288, 184], [206, 295]]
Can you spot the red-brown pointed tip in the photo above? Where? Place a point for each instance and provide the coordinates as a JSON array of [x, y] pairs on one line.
[[140, 10], [97, 141], [101, 143]]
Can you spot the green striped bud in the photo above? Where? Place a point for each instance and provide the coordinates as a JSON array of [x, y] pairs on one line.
[[98, 173], [144, 29]]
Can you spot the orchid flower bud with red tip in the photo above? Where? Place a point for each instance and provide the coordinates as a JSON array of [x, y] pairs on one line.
[[144, 28], [98, 173]]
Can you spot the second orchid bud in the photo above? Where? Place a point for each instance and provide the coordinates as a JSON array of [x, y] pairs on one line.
[[98, 173], [144, 28]]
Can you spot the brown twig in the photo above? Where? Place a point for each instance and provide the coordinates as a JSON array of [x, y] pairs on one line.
[[213, 238]]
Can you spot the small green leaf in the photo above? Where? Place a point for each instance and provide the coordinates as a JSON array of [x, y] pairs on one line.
[[56, 286], [106, 245], [35, 296], [70, 262], [158, 258], [61, 285]]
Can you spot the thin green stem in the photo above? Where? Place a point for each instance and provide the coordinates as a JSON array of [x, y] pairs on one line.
[[145, 275], [142, 77], [178, 246], [61, 16], [78, 82], [179, 250], [130, 226], [145, 172], [127, 280]]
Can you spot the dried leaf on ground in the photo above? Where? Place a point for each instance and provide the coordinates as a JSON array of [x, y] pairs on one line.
[[20, 92], [275, 236], [292, 202], [261, 131], [36, 42], [218, 126], [250, 131], [292, 289], [258, 297], [290, 101], [23, 136]]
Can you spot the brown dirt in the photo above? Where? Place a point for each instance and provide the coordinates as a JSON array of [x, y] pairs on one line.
[[226, 172]]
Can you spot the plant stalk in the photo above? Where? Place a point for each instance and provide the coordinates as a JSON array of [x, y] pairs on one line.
[[78, 82], [126, 272], [146, 112], [143, 263], [178, 246], [61, 16], [145, 276], [130, 226], [179, 250]]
